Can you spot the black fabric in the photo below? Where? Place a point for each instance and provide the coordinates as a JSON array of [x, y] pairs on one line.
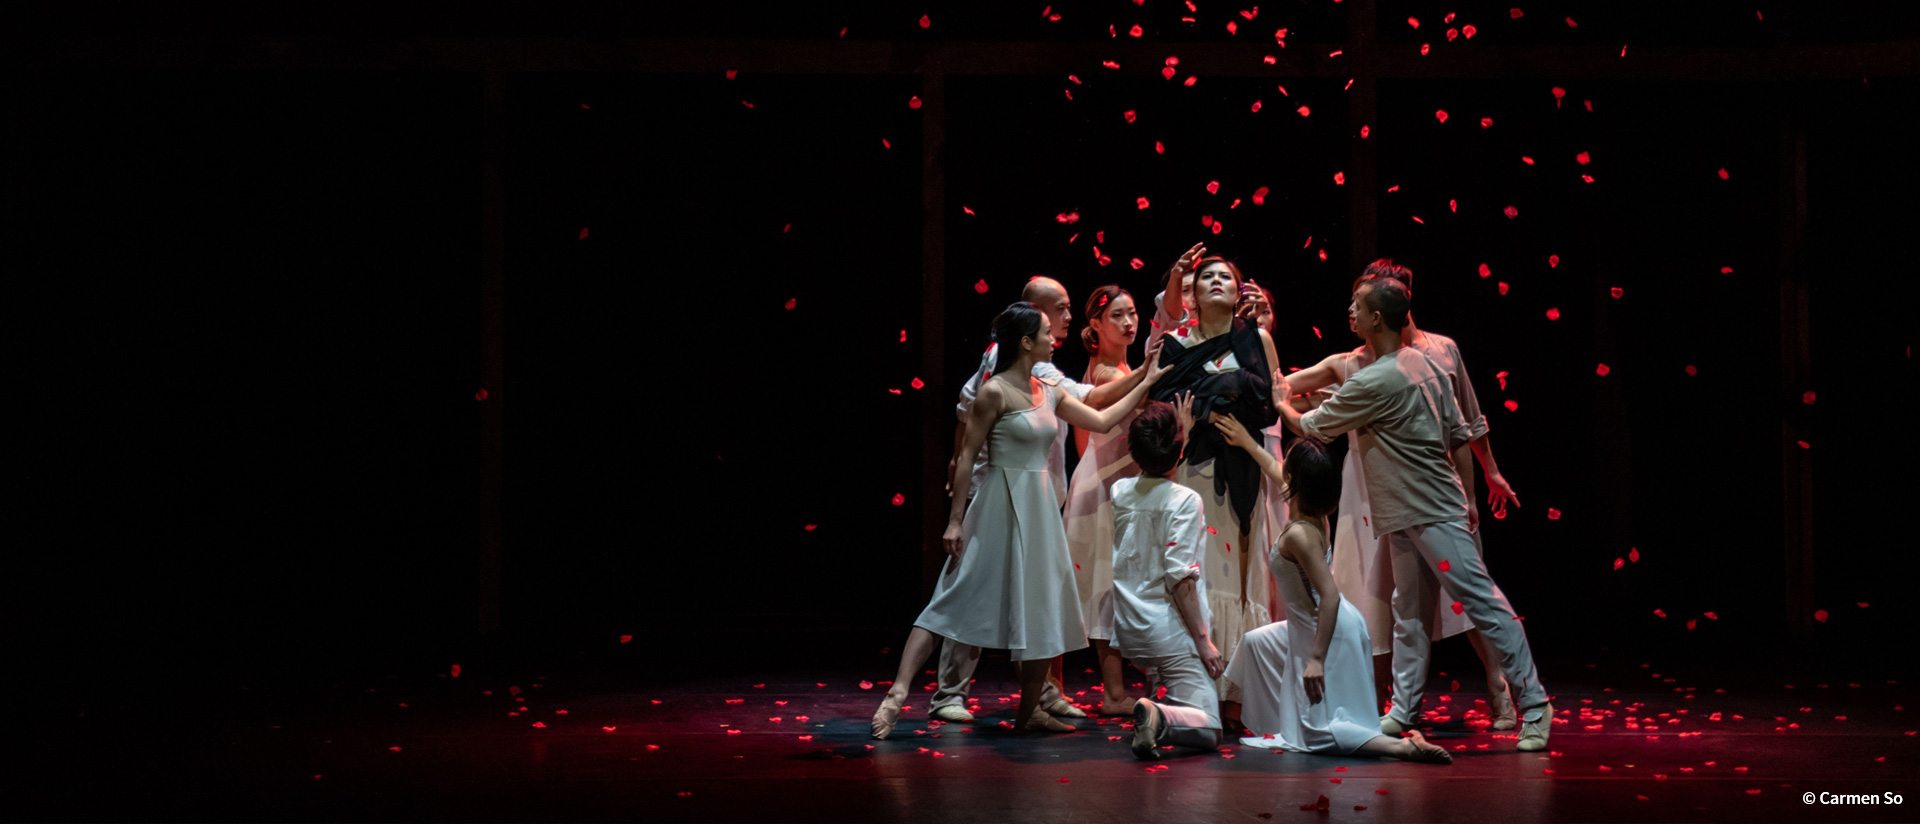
[[1245, 394]]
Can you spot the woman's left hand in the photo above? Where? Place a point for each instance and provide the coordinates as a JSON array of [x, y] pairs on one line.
[[1183, 413], [1315, 676]]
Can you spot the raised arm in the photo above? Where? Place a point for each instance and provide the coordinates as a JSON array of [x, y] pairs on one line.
[[1318, 376], [1297, 546], [1350, 408], [1106, 394], [1103, 420]]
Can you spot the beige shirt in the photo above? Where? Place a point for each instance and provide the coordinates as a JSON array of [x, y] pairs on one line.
[[1401, 408], [1445, 355]]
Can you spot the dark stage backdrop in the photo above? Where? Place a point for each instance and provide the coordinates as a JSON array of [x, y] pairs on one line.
[[247, 330]]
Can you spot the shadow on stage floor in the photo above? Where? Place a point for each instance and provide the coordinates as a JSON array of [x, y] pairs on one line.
[[1637, 744]]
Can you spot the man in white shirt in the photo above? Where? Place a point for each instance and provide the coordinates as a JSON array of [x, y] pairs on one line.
[[1414, 449], [957, 661], [1159, 596]]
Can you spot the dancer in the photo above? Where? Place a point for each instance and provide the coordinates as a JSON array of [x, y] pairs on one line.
[[1159, 607], [1258, 307], [1009, 583], [1307, 682], [958, 661], [1111, 327], [1360, 561], [1409, 427], [1224, 362]]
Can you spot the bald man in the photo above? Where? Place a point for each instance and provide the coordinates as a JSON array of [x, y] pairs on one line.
[[957, 661]]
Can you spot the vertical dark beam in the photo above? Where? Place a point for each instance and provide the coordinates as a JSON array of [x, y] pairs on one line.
[[1796, 464], [936, 437], [1363, 170], [493, 270]]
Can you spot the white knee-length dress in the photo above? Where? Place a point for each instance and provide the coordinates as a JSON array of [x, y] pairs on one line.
[[1013, 586]]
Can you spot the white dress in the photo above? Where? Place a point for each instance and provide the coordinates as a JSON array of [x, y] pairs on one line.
[[1271, 491], [1231, 618], [1090, 523], [1013, 586], [1362, 563], [1273, 702]]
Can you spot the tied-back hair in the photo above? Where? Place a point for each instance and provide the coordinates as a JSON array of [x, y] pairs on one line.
[[1153, 438], [1097, 308], [1019, 320], [1314, 485]]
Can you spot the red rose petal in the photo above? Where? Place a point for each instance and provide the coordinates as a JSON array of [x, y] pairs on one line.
[[1441, 114], [1820, 615], [1553, 314], [1601, 370], [981, 286], [925, 21]]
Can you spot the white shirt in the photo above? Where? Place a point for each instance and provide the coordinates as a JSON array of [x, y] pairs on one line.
[[1407, 424], [1159, 529], [1047, 372]]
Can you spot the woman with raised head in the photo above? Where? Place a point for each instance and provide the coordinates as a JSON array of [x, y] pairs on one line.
[[1225, 362]]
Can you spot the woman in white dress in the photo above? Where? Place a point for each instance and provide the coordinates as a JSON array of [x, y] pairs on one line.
[[1361, 562], [1259, 307], [1307, 682], [1009, 581], [1225, 361], [1112, 324]]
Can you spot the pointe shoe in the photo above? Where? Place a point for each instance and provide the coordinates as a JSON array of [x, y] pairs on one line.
[[885, 718], [1425, 752], [1042, 722], [953, 714], [1533, 734], [1501, 703], [1123, 707], [1390, 726], [1065, 709], [1148, 722]]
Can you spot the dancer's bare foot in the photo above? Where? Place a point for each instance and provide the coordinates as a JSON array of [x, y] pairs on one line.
[[1426, 752], [1124, 706]]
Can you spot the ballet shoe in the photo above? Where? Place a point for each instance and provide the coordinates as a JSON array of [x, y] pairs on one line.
[[953, 714], [1147, 724], [1065, 709], [1123, 707], [1390, 726], [1042, 722], [885, 718], [1533, 734], [1425, 752], [1501, 703]]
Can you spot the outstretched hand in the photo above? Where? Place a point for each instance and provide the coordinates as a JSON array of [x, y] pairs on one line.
[[1183, 413], [1184, 266], [1232, 430]]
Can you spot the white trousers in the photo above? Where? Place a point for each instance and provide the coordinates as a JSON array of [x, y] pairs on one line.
[[1191, 705], [957, 663], [1418, 584]]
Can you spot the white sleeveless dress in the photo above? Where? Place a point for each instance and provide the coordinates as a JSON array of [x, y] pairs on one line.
[[1273, 698], [1013, 586], [1090, 522]]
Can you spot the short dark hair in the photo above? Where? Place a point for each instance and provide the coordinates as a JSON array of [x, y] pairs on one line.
[[1020, 320], [1154, 438], [1390, 298], [1314, 488]]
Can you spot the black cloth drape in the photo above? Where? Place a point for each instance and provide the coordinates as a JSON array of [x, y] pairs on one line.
[[1245, 394]]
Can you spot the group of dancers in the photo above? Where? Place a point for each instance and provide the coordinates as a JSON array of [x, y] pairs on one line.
[[1187, 528]]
